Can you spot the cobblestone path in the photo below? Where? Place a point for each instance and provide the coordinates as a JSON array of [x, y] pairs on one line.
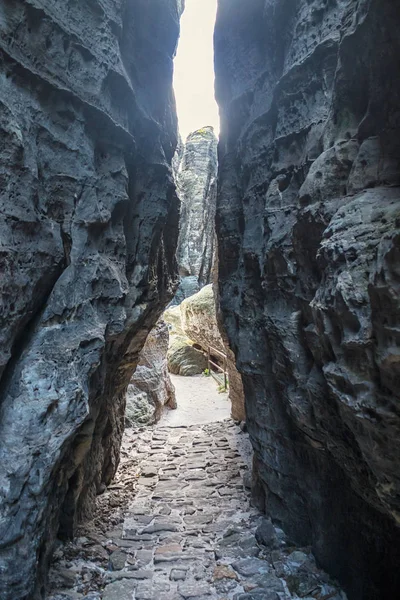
[[190, 531]]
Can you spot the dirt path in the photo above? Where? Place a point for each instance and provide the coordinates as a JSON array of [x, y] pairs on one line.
[[199, 402], [177, 524]]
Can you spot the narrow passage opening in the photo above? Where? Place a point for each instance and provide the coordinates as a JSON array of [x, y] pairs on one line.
[[194, 68], [178, 521]]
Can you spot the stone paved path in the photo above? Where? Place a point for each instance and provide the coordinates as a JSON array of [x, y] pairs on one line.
[[189, 531]]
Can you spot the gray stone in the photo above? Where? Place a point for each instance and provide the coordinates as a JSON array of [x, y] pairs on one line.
[[308, 243], [193, 590], [88, 233], [177, 575], [257, 594], [265, 534], [251, 566], [137, 574], [198, 519], [150, 389], [188, 287], [161, 526], [119, 590], [143, 557], [117, 560], [195, 167]]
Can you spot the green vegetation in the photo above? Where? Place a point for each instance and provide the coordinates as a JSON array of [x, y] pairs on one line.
[[203, 131]]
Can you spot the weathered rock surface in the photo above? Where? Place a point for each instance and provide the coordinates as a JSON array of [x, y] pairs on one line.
[[196, 181], [188, 287], [309, 246], [150, 389], [88, 130], [182, 357], [199, 323]]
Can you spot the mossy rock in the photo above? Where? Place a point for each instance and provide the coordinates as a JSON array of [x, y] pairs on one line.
[[183, 359], [172, 316]]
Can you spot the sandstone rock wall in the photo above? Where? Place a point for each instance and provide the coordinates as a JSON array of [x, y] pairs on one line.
[[196, 180], [199, 322], [309, 245], [150, 390], [88, 132], [183, 358]]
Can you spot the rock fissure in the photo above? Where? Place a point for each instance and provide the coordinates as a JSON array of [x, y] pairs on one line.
[[296, 224]]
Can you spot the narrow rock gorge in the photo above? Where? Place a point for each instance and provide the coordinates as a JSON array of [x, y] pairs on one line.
[[88, 236], [195, 169], [94, 244], [309, 246]]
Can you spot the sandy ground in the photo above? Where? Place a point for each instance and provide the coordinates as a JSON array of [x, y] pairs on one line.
[[199, 402]]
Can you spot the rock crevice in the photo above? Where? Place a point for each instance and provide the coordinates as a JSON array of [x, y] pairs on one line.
[[196, 181]]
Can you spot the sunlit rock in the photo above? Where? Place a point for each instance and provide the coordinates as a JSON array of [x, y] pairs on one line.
[[195, 169], [150, 390]]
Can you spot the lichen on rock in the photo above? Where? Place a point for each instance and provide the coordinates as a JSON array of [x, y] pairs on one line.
[[183, 358]]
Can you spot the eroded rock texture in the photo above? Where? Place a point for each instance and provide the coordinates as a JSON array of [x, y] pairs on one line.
[[309, 247], [150, 389], [200, 324], [88, 132], [183, 358], [196, 180]]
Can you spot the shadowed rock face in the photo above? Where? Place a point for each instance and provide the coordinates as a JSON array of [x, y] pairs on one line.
[[150, 389], [309, 247], [88, 132], [200, 323], [195, 174]]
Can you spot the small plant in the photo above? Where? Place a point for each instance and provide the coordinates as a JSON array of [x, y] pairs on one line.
[[206, 372], [203, 131], [222, 388]]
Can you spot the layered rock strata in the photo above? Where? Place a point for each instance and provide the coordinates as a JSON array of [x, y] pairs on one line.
[[150, 390], [309, 245], [196, 181], [88, 127]]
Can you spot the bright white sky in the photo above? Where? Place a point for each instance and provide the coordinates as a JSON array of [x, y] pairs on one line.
[[194, 68]]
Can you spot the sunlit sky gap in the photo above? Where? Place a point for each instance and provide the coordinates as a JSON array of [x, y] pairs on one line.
[[194, 68]]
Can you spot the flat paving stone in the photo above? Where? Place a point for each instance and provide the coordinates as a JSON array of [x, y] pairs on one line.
[[250, 566], [178, 575], [194, 590], [119, 590], [118, 560]]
